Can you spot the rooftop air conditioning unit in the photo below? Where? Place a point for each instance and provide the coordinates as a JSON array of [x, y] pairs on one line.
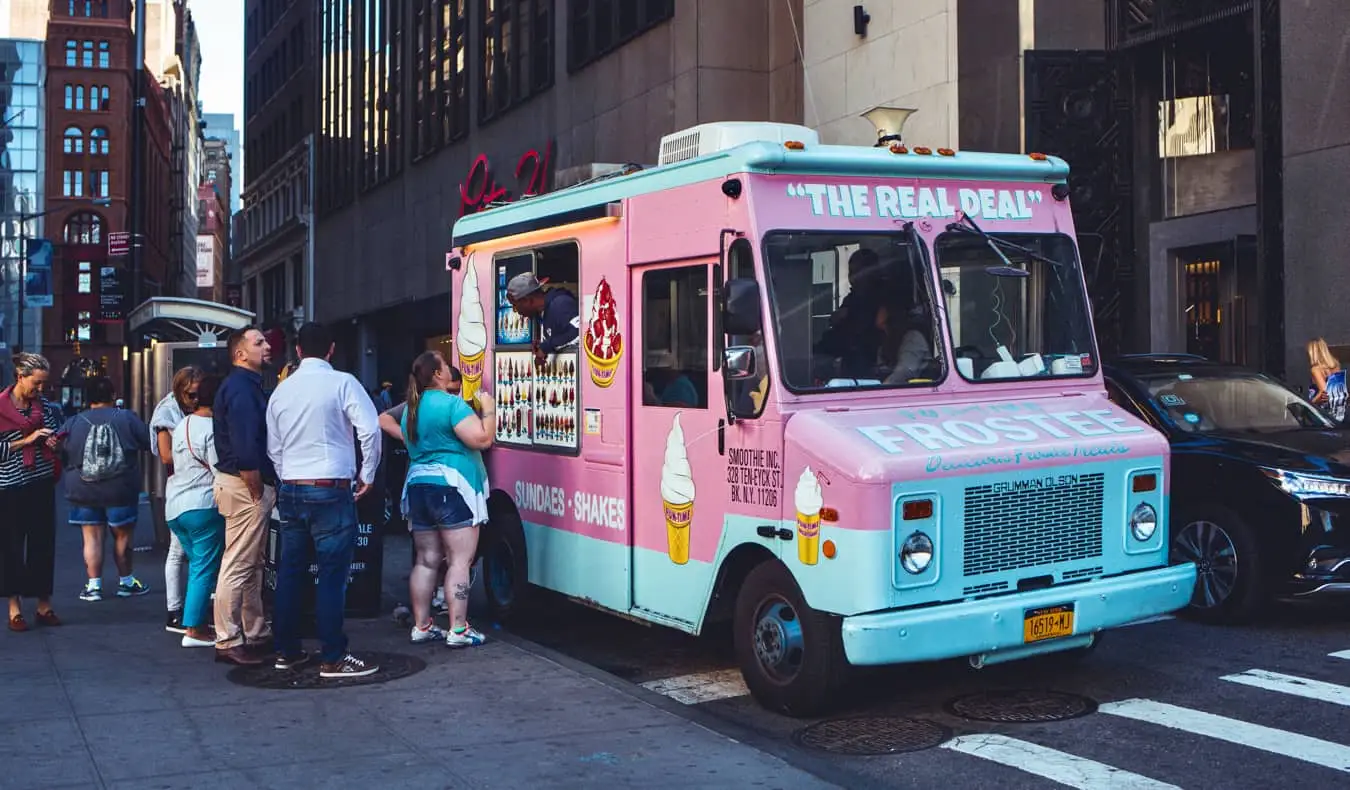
[[710, 138]]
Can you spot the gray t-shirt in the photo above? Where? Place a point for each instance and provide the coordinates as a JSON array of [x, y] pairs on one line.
[[121, 491]]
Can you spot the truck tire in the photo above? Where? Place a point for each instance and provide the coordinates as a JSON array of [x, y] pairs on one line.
[[506, 569], [791, 656]]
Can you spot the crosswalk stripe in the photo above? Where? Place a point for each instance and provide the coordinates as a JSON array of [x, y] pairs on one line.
[[1340, 654], [702, 687], [1291, 684], [1057, 766], [1266, 739]]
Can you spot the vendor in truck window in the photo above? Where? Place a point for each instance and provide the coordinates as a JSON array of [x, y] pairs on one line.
[[555, 310], [852, 334]]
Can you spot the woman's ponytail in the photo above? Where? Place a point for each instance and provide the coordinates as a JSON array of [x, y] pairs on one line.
[[424, 371]]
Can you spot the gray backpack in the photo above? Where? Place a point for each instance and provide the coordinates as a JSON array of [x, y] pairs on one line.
[[103, 458]]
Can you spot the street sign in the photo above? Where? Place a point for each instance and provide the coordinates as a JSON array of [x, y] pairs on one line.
[[119, 243]]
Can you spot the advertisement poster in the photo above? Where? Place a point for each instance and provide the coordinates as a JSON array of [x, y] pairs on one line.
[[37, 286], [110, 296], [206, 262]]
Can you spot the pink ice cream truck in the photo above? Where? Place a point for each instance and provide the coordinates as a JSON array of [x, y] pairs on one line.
[[846, 397]]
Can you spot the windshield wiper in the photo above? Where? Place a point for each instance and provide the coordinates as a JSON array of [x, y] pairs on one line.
[[995, 243]]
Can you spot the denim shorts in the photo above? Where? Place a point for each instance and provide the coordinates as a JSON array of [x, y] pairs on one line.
[[119, 516], [437, 507]]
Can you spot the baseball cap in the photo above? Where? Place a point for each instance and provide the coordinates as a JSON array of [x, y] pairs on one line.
[[522, 285]]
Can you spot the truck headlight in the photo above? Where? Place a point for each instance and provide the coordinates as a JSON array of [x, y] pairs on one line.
[[917, 553], [1143, 522]]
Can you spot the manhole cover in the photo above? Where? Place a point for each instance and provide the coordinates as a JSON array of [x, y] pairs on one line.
[[867, 735], [392, 667], [1021, 707]]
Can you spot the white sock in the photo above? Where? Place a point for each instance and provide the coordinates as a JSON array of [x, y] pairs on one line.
[[96, 584]]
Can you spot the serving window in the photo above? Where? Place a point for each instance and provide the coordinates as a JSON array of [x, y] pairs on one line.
[[538, 404]]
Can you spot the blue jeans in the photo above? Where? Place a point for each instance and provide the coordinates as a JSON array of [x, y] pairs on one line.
[[202, 535], [328, 517]]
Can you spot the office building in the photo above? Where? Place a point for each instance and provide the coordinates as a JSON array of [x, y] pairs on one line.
[[413, 95], [220, 126], [22, 192]]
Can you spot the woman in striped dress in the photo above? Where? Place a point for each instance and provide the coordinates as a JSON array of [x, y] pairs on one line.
[[28, 472], [1330, 390]]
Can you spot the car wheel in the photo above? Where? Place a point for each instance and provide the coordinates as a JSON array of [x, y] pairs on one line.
[[790, 655], [501, 546], [1230, 575]]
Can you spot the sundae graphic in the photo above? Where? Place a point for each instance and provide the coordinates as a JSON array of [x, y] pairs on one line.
[[809, 502], [471, 339], [677, 494], [603, 343]]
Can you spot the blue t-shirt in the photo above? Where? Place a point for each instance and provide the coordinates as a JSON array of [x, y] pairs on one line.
[[680, 391], [437, 415]]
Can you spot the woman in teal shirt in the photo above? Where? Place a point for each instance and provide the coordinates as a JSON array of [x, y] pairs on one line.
[[445, 493]]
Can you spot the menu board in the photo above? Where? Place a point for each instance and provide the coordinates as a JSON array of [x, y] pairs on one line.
[[514, 391], [537, 406], [512, 327], [555, 401]]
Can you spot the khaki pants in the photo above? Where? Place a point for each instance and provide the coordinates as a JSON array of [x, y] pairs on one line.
[[239, 607]]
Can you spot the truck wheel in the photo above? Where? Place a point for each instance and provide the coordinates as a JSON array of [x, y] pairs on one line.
[[791, 656], [1230, 580], [501, 545]]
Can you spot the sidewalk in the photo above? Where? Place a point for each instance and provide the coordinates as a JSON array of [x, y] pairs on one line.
[[111, 700]]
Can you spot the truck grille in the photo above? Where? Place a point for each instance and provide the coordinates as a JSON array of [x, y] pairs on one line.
[[1032, 523]]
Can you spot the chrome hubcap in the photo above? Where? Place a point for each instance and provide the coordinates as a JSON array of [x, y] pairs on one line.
[[1216, 561], [778, 639]]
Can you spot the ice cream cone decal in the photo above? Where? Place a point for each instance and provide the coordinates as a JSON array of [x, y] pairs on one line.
[[809, 501], [677, 494], [471, 337], [603, 343]]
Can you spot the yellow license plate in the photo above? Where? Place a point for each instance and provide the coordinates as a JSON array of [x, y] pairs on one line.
[[1050, 622]]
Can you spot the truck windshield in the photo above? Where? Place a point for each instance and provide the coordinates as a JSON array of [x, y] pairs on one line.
[[1016, 305], [852, 310]]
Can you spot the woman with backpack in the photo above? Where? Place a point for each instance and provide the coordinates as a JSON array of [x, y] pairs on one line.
[[29, 466], [190, 509], [102, 451]]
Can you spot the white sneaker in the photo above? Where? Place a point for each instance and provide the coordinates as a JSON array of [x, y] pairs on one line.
[[189, 641], [469, 637], [431, 633]]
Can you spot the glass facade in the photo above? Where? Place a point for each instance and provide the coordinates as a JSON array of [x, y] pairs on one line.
[[22, 159]]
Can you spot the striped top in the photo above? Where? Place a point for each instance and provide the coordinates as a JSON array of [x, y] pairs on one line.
[[13, 473]]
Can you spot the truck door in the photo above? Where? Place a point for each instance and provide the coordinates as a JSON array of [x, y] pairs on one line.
[[678, 472]]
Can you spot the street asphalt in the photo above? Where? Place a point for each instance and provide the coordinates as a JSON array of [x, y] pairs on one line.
[[571, 697]]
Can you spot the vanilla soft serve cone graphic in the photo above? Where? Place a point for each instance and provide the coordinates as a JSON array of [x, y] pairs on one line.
[[677, 494], [809, 501], [471, 334]]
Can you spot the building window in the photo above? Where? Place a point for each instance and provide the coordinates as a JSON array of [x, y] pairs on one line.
[[339, 154], [73, 142], [87, 54], [98, 183], [440, 110], [85, 278], [98, 97], [382, 90], [84, 328], [71, 53], [598, 27], [517, 46], [84, 228], [104, 55], [98, 141], [72, 183], [75, 97]]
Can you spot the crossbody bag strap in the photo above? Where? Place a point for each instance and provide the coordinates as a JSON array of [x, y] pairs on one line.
[[187, 434]]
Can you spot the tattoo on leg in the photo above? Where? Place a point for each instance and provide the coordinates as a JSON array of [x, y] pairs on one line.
[[461, 592]]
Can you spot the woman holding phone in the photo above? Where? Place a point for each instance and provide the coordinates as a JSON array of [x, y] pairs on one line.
[[445, 495], [29, 466]]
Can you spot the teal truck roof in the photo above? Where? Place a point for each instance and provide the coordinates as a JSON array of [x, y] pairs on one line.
[[589, 200]]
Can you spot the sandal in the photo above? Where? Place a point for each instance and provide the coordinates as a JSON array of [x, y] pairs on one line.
[[48, 618], [17, 623]]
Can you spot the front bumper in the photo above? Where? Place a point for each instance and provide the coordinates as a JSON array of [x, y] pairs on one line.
[[990, 625]]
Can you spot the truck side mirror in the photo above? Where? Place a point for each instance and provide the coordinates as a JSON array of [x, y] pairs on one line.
[[741, 316], [739, 363]]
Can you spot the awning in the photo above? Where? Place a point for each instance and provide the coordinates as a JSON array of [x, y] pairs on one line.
[[171, 319]]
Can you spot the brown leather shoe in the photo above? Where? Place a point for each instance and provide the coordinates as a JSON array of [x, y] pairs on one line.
[[48, 618], [17, 623], [238, 655]]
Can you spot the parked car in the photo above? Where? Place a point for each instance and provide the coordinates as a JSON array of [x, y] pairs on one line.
[[1260, 481]]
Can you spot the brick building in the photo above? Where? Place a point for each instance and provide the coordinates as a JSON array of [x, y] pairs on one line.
[[213, 241], [90, 73]]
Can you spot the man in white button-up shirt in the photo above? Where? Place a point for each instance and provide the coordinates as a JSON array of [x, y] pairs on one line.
[[310, 421]]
